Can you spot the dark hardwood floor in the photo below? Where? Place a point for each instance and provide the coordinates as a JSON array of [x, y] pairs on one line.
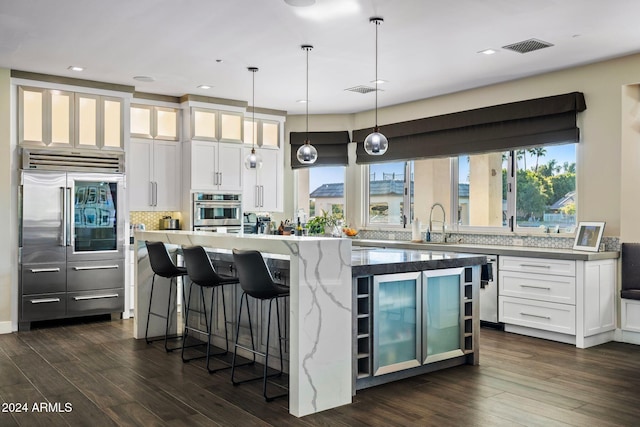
[[107, 378]]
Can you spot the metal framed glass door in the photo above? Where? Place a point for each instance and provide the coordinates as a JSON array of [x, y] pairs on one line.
[[442, 315], [96, 220], [397, 327]]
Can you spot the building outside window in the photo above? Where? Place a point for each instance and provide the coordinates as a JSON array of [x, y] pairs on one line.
[[322, 189], [389, 192]]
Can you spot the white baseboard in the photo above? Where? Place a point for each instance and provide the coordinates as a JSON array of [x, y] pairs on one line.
[[629, 337], [6, 327]]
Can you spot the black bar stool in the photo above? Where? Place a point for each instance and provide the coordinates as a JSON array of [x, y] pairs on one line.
[[256, 281], [162, 265], [203, 274]]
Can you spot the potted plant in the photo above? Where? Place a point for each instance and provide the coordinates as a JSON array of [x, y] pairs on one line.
[[325, 223]]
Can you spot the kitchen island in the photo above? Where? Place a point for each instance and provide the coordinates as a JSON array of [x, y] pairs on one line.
[[321, 306]]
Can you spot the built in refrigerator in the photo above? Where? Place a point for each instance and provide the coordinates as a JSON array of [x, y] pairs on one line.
[[71, 252]]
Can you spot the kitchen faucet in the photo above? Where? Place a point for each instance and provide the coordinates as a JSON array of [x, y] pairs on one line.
[[444, 218]]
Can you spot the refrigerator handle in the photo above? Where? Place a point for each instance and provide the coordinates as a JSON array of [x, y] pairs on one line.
[[63, 241], [67, 214]]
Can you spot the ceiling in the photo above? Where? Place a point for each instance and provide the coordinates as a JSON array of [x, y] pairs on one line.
[[426, 48]]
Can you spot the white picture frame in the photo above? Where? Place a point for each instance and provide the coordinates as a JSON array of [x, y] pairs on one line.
[[588, 236]]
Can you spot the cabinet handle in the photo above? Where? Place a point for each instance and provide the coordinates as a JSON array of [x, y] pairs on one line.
[[261, 195], [150, 193], [155, 193], [535, 315], [548, 288], [44, 300], [96, 267], [45, 270], [535, 265], [88, 297], [220, 182], [256, 201]]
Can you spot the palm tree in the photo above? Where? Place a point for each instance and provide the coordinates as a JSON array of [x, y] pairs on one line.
[[538, 152], [522, 154]]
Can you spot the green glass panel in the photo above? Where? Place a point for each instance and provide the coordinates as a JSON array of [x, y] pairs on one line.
[[397, 322], [443, 314]]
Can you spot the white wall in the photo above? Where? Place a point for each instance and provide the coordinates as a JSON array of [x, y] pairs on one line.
[[8, 226], [606, 181]]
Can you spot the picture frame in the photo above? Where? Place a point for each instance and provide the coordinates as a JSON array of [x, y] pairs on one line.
[[588, 236]]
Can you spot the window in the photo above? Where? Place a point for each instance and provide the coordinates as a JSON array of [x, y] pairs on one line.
[[389, 193], [544, 179], [321, 189]]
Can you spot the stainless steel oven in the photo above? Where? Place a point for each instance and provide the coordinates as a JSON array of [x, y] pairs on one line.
[[211, 210]]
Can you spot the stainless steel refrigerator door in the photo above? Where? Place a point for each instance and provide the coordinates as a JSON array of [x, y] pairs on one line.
[[96, 216], [42, 217]]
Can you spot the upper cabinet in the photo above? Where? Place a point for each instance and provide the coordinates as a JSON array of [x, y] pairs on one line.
[[265, 133], [153, 122], [54, 118], [214, 125]]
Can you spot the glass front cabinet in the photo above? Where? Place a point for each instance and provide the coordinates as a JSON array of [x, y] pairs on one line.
[[408, 320]]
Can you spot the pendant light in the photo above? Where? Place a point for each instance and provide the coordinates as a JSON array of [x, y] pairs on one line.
[[253, 160], [307, 153], [376, 143]]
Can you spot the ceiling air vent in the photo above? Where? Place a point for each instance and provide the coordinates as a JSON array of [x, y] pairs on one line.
[[63, 160], [527, 46], [362, 89]]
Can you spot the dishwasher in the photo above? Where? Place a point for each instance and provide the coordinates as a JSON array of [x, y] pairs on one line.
[[489, 294]]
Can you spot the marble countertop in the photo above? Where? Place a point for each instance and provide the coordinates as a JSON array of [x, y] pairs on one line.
[[521, 251], [367, 261]]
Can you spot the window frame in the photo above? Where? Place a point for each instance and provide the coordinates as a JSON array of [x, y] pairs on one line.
[[406, 198]]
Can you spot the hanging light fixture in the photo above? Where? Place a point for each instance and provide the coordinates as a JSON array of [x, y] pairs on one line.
[[307, 153], [253, 160], [376, 143]]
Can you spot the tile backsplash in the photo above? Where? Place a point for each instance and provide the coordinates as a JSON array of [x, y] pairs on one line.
[[151, 220], [534, 241]]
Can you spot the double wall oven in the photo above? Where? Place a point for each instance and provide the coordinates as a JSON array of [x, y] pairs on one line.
[[217, 212]]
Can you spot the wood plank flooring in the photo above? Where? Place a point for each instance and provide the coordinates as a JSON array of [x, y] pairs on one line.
[[108, 379]]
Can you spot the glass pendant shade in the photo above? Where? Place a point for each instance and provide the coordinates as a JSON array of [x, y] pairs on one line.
[[253, 160], [375, 143], [307, 154]]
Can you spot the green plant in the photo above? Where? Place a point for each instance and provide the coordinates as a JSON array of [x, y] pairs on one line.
[[317, 224]]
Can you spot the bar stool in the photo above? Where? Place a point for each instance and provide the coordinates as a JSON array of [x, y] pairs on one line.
[[162, 265], [203, 274], [256, 281]]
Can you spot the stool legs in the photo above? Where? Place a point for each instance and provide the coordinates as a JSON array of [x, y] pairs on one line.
[[208, 319], [167, 317], [254, 351]]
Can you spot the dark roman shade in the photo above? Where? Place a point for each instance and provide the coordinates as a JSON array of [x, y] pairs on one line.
[[534, 122], [333, 148]]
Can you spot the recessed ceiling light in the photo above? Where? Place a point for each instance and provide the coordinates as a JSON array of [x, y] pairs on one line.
[[219, 60], [147, 79], [300, 3], [379, 81], [75, 68], [301, 101], [488, 51], [204, 87]]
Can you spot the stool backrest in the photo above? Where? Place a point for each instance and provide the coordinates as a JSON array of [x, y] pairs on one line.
[[199, 267], [160, 260], [255, 278]]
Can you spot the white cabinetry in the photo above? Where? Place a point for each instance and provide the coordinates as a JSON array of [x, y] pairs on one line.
[[215, 166], [55, 118], [262, 189], [563, 300], [154, 175]]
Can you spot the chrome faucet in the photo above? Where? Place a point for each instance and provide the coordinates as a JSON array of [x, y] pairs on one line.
[[444, 218]]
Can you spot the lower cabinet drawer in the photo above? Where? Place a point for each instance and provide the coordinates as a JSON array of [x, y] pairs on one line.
[[95, 302], [538, 314], [43, 307], [105, 274], [542, 287], [43, 278]]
